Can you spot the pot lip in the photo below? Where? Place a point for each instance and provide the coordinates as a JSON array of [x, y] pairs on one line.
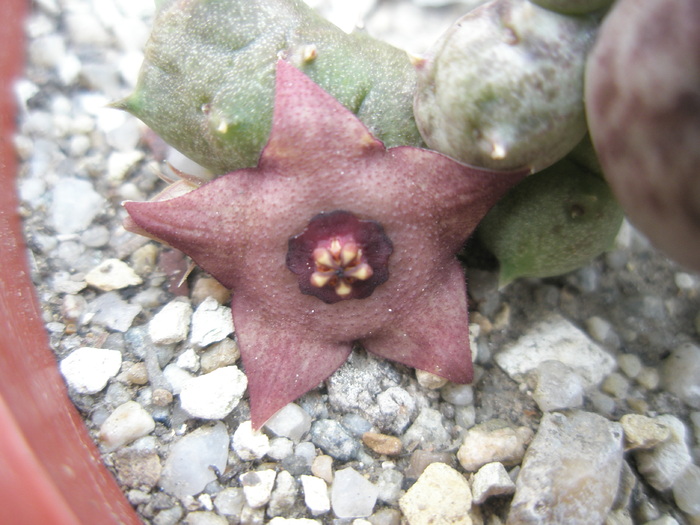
[[59, 480]]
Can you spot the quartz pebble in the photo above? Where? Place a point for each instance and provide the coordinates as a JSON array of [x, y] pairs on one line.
[[188, 466], [223, 353], [112, 311], [427, 431], [214, 395], [558, 387], [680, 374], [662, 465], [280, 448], [128, 422], [491, 480], [87, 370], [556, 339], [642, 432], [74, 205], [257, 486], [630, 364], [284, 495], [352, 496], [249, 444], [291, 421], [171, 324], [441, 495], [188, 360], [316, 495], [686, 490], [230, 501], [570, 472], [211, 322], [389, 485], [460, 395], [490, 442], [112, 274]]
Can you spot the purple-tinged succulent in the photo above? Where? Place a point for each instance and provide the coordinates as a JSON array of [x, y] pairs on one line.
[[331, 240]]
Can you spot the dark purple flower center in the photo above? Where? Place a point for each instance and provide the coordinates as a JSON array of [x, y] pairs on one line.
[[339, 256]]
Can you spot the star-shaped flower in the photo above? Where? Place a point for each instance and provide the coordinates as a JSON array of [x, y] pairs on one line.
[[331, 240]]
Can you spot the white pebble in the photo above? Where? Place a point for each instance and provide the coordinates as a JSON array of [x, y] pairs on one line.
[[188, 360], [441, 495], [616, 385], [74, 205], [230, 501], [204, 518], [680, 374], [558, 387], [280, 448], [188, 467], [290, 421], [491, 480], [257, 486], [630, 364], [662, 465], [213, 395], [686, 490], [556, 339], [483, 444], [176, 377], [171, 324], [211, 323], [87, 370], [249, 444], [460, 395], [128, 422], [352, 495], [120, 163], [315, 494], [112, 274]]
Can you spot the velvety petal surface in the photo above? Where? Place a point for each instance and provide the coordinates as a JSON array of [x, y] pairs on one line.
[[319, 159]]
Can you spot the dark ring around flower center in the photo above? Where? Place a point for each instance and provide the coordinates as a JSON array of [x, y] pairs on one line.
[[339, 256]]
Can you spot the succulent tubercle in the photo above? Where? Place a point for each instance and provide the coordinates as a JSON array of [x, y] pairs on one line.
[[327, 196]]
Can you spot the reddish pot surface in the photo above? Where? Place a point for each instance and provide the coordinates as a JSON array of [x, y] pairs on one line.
[[51, 470]]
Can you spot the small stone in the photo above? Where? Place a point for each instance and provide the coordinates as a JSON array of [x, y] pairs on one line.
[[211, 323], [95, 237], [137, 468], [427, 431], [144, 259], [230, 501], [120, 163], [570, 473], [382, 444], [334, 440], [386, 516], [284, 495], [662, 465], [389, 485], [112, 311], [460, 395], [642, 432], [223, 353], [616, 385], [491, 480], [257, 486], [291, 421], [322, 467], [420, 459], [430, 381], [558, 387], [280, 448], [171, 324], [188, 466], [87, 370], [491, 442], [602, 331], [394, 410], [112, 274], [188, 360], [204, 517], [556, 339], [213, 395], [649, 378], [134, 373], [680, 374], [352, 496], [161, 397], [209, 287], [74, 205], [249, 444], [686, 490], [293, 521], [441, 495], [128, 422], [630, 364], [315, 495]]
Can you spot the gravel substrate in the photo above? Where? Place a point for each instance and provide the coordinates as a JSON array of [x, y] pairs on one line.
[[586, 403]]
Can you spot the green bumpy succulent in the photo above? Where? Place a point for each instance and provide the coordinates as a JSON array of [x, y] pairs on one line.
[[553, 222], [207, 82]]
